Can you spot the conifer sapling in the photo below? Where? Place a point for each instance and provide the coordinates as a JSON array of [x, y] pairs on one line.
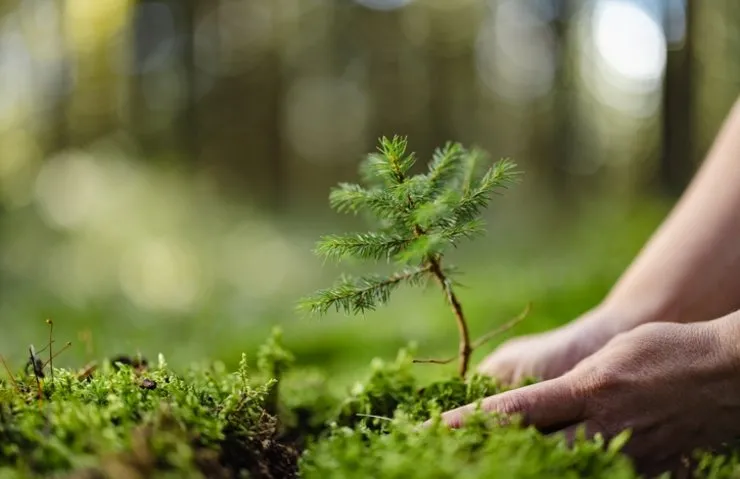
[[420, 216]]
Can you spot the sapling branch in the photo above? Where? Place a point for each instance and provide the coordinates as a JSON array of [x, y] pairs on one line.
[[357, 295], [422, 215], [483, 339], [502, 328], [436, 361]]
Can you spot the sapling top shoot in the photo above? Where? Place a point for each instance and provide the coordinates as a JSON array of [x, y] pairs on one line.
[[420, 216]]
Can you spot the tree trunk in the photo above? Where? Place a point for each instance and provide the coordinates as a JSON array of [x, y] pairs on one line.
[[676, 163]]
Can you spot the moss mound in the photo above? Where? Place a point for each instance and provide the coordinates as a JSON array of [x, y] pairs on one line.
[[130, 420]]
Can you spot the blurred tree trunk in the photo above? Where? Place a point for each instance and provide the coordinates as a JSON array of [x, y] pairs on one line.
[[396, 78], [240, 117], [58, 127], [276, 157], [330, 52], [166, 129], [92, 111], [676, 164], [454, 93], [139, 115], [564, 115], [188, 119]]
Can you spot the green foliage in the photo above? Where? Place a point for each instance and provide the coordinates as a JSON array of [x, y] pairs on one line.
[[482, 450], [420, 216], [376, 434], [142, 423], [207, 422], [392, 387], [273, 358], [357, 295], [718, 466], [309, 402]]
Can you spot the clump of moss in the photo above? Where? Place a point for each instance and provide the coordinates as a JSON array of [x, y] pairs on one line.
[[308, 405], [126, 421], [376, 433], [131, 420], [483, 449], [392, 386]]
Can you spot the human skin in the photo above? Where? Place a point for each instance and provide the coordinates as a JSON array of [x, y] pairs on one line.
[[675, 386], [689, 271], [651, 358]]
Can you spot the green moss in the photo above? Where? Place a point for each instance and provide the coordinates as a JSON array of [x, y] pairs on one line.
[[148, 422], [481, 450], [376, 433], [133, 421]]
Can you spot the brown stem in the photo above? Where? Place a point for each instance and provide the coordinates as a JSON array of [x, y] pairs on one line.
[[435, 361], [465, 349], [51, 356], [503, 328], [10, 374], [66, 346], [483, 339]]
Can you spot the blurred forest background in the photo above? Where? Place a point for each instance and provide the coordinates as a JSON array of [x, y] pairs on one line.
[[165, 164]]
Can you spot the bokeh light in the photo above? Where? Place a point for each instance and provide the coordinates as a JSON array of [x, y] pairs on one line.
[[161, 274], [631, 41], [627, 59], [516, 51], [71, 190]]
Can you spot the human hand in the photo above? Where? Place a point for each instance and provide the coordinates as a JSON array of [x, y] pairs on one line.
[[675, 386], [548, 355]]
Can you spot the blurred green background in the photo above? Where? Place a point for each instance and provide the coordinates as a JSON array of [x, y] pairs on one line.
[[165, 164]]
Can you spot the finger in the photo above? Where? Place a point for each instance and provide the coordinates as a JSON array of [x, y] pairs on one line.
[[546, 405]]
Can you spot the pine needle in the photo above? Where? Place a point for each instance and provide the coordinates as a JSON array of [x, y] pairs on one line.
[[422, 216]]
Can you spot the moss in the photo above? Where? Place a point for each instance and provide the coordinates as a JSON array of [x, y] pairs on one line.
[[481, 450], [376, 433], [134, 420], [126, 422]]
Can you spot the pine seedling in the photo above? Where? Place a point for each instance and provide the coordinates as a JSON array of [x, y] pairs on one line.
[[420, 217]]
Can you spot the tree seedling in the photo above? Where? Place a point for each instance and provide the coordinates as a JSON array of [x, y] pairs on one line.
[[420, 217]]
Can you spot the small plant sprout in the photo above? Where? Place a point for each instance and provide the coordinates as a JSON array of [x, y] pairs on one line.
[[420, 216], [10, 374], [37, 365], [50, 323]]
